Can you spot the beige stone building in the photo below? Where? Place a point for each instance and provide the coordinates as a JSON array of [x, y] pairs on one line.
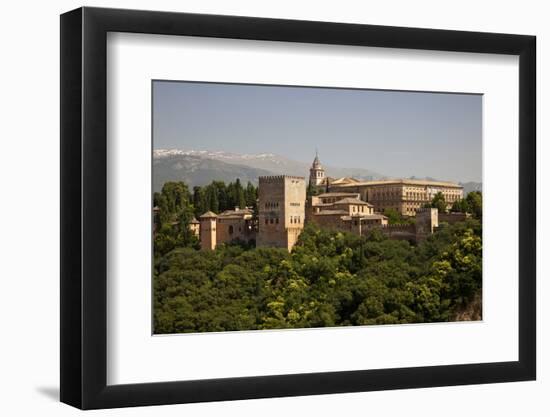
[[346, 204], [281, 210], [343, 212], [228, 226], [237, 224], [404, 195], [194, 226]]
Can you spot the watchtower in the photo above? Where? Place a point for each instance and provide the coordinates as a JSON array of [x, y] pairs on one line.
[[208, 230], [281, 210], [427, 220]]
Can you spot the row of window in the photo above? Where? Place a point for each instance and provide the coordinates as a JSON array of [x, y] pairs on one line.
[[269, 205], [275, 220], [231, 230], [411, 196]]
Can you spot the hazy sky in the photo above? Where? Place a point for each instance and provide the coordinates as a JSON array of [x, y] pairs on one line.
[[396, 134]]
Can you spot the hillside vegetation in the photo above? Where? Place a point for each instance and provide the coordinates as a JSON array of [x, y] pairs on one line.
[[329, 279]]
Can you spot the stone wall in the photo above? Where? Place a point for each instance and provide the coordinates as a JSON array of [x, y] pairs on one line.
[[330, 221], [452, 218], [234, 228]]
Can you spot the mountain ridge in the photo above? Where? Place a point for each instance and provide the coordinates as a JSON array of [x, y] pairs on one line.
[[202, 167]]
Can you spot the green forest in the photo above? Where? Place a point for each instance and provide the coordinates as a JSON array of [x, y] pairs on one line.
[[329, 278]]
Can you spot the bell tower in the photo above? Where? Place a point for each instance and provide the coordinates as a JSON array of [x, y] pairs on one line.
[[316, 172]]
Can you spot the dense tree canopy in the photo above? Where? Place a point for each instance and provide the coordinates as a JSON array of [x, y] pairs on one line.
[[176, 207], [172, 218], [329, 279], [472, 204], [218, 197], [394, 217], [438, 202]]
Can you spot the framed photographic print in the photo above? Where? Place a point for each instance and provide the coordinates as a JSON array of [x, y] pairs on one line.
[[258, 207]]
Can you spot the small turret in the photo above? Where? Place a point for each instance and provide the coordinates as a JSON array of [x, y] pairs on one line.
[[208, 230]]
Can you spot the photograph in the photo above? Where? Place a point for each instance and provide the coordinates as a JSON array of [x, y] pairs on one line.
[[295, 207], [261, 204]]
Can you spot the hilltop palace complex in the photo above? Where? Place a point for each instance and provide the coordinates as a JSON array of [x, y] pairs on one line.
[[341, 204]]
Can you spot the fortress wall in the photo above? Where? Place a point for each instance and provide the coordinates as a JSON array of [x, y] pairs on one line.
[[452, 218], [229, 229]]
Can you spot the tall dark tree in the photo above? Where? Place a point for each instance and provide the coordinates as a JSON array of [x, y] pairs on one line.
[[222, 196], [172, 218], [311, 190], [239, 194], [460, 206], [475, 203], [250, 195], [438, 202], [211, 198], [176, 194], [199, 201]]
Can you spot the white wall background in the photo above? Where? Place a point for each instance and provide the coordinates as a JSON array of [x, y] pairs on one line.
[[29, 302]]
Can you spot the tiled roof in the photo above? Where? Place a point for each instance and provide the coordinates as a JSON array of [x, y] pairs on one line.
[[365, 216], [329, 195], [353, 201], [402, 181], [208, 215], [331, 213], [236, 213]]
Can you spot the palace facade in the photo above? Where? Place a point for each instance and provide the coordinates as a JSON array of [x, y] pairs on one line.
[[405, 196]]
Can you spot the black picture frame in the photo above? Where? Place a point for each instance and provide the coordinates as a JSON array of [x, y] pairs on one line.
[[84, 207]]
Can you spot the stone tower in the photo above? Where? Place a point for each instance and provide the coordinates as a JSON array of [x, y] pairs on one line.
[[281, 210], [208, 230], [316, 172], [427, 220]]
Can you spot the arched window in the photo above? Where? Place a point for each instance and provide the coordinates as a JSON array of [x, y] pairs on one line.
[[230, 230]]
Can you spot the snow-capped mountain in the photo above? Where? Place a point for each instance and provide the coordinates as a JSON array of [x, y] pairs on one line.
[[202, 167], [171, 164], [221, 155]]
